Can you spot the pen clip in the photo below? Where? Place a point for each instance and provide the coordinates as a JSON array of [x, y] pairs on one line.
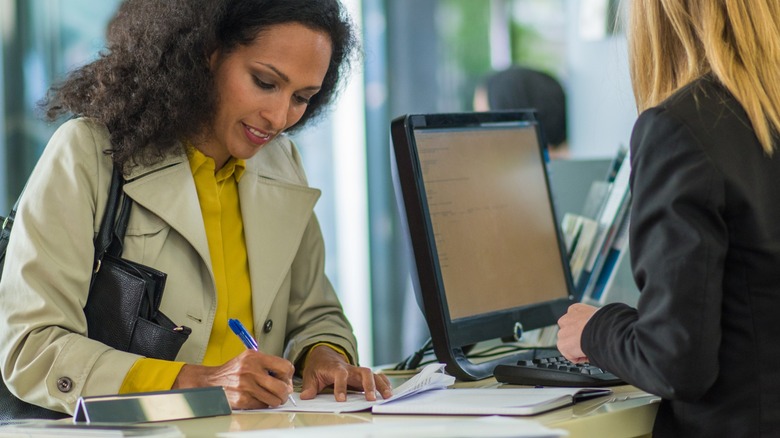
[[243, 334]]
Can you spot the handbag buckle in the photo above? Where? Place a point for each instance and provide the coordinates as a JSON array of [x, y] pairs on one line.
[[98, 264]]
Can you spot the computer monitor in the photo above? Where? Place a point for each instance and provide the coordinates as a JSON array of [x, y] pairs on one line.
[[489, 254]]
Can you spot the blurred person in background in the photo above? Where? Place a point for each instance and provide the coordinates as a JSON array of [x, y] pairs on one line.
[[522, 88]]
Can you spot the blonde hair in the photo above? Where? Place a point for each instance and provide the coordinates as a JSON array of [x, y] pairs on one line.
[[673, 42]]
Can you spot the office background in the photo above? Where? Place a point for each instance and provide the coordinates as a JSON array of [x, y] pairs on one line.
[[419, 56]]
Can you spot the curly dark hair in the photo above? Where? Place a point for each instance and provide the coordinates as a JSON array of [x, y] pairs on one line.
[[152, 85]]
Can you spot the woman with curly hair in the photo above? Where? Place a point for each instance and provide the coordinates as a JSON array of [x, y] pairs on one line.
[[192, 100], [705, 234]]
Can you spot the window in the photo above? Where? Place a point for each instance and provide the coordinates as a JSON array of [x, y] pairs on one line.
[[42, 40], [419, 56]]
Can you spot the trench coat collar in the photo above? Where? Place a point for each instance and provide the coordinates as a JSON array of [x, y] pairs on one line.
[[275, 214]]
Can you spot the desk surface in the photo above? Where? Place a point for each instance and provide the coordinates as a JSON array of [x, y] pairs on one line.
[[627, 413]]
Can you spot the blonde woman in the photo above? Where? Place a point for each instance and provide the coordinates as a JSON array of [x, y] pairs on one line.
[[705, 223]]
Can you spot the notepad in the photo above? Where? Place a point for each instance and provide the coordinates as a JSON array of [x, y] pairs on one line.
[[430, 378], [488, 401]]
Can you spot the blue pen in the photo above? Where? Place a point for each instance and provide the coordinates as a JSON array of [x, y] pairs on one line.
[[249, 342]]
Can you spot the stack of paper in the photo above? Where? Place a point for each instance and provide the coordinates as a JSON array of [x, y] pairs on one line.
[[428, 393], [488, 401], [580, 234], [598, 238], [429, 378]]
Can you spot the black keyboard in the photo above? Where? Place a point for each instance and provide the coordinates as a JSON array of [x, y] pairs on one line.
[[554, 370]]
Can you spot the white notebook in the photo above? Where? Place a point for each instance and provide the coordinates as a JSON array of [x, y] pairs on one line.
[[430, 378], [488, 401], [430, 393]]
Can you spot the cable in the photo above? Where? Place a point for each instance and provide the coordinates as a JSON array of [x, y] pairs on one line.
[[414, 360]]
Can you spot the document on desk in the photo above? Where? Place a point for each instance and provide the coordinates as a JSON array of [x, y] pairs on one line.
[[431, 377], [428, 393], [488, 401]]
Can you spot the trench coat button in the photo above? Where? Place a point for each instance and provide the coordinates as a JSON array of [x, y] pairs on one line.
[[64, 384], [268, 326]]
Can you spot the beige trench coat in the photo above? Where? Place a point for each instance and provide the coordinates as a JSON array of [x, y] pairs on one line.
[[46, 358]]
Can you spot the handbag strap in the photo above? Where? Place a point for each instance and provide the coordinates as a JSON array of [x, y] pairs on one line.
[[8, 221], [114, 223], [111, 233]]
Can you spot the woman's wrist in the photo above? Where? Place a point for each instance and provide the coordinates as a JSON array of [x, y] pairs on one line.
[[190, 376]]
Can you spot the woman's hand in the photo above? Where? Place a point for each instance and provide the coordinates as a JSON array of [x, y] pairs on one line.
[[252, 380], [570, 330], [325, 367]]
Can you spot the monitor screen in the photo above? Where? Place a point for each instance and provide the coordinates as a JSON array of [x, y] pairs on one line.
[[494, 231], [490, 259]]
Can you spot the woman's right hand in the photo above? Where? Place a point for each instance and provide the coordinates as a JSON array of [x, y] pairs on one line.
[[571, 326], [252, 380]]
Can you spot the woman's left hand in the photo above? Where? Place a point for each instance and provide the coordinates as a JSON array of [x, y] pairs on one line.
[[326, 367]]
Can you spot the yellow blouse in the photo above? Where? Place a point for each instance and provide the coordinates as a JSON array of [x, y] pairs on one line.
[[221, 210], [219, 203]]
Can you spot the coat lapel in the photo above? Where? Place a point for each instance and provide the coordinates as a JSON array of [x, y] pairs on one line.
[[275, 216], [168, 190]]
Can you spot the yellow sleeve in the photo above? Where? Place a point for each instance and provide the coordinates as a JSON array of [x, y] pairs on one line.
[[150, 375], [334, 347]]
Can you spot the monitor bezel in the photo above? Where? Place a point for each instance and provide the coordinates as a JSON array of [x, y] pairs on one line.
[[449, 336]]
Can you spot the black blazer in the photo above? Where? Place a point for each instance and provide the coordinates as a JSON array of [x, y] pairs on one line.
[[705, 252]]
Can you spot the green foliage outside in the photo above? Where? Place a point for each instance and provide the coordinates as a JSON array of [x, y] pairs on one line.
[[464, 32]]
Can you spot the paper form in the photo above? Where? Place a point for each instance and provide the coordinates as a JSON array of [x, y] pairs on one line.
[[430, 377]]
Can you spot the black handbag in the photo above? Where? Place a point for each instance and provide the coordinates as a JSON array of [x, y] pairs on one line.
[[122, 308]]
